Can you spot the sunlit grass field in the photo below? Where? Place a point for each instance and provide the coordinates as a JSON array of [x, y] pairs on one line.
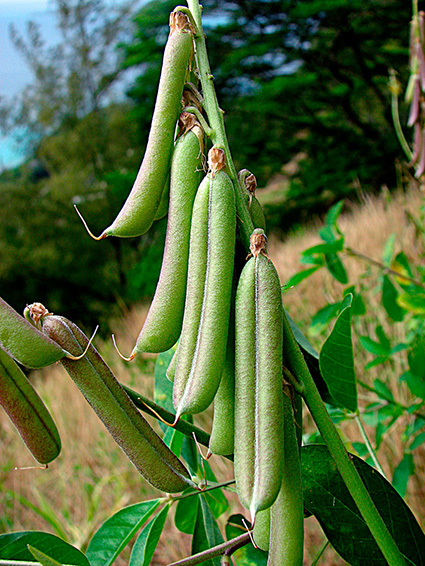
[[92, 479]]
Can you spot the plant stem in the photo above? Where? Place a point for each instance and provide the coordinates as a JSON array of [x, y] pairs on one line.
[[369, 445], [386, 269], [295, 362], [226, 548], [155, 410], [394, 90], [209, 488], [215, 119]]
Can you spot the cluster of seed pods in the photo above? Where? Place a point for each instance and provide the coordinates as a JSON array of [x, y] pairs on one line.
[[227, 321]]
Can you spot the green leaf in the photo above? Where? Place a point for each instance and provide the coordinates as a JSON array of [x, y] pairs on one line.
[[389, 300], [207, 533], [216, 499], [324, 316], [417, 441], [388, 251], [300, 338], [248, 555], [374, 347], [146, 543], [43, 558], [186, 513], [333, 214], [402, 473], [401, 266], [14, 546], [383, 391], [326, 497], [174, 440], [337, 362], [317, 260], [116, 532], [413, 300], [300, 276], [336, 268], [163, 387], [326, 249]]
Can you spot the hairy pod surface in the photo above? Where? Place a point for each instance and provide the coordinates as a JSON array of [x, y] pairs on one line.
[[223, 426], [258, 451], [287, 512], [163, 323], [130, 430], [162, 209], [202, 346], [27, 412], [24, 342], [138, 212], [261, 530], [171, 370]]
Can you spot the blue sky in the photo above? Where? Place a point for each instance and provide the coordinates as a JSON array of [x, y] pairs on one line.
[[14, 74]]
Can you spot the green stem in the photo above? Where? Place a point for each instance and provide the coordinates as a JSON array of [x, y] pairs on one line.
[[155, 410], [369, 445], [384, 268], [295, 362], [394, 89], [215, 119], [209, 488], [226, 548]]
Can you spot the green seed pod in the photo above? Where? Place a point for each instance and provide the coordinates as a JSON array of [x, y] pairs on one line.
[[163, 203], [223, 428], [27, 412], [261, 530], [287, 512], [258, 451], [130, 430], [163, 323], [24, 342], [138, 212], [171, 370], [202, 346]]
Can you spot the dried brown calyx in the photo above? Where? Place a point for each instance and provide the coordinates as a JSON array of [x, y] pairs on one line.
[[188, 121], [248, 181], [191, 97], [35, 312], [258, 242], [216, 160], [180, 22]]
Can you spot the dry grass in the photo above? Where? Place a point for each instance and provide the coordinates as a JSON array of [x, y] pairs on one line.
[[92, 478]]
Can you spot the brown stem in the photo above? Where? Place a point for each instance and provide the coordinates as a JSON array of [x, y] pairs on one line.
[[225, 548], [386, 269]]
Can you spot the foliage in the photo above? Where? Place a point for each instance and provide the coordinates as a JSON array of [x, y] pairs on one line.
[[316, 88], [363, 516]]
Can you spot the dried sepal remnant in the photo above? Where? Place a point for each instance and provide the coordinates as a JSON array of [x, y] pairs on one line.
[[180, 22], [216, 160], [258, 242], [34, 313]]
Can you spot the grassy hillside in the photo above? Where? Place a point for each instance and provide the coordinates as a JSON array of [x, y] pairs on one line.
[[91, 479]]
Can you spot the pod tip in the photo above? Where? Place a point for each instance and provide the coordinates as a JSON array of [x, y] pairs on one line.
[[103, 234], [132, 355]]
